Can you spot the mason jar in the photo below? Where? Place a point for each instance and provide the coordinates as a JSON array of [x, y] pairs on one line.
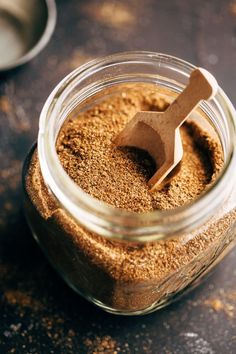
[[103, 252]]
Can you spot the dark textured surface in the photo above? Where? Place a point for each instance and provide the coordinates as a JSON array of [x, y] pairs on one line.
[[38, 312]]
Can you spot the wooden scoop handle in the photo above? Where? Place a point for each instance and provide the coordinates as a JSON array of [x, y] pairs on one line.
[[202, 86]]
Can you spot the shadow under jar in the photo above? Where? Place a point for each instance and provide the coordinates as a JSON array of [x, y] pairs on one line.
[[127, 262]]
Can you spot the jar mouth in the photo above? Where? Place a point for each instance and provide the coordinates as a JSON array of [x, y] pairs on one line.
[[106, 219]]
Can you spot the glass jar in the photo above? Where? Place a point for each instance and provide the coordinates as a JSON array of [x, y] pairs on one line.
[[103, 252]]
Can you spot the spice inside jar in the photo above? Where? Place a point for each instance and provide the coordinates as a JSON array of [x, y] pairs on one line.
[[119, 176], [127, 277]]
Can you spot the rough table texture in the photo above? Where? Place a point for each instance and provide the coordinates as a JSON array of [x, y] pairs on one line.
[[39, 313]]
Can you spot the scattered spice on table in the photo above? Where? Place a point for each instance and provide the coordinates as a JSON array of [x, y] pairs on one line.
[[223, 301], [101, 345], [5, 105]]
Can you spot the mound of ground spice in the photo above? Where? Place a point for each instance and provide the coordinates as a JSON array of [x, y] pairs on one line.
[[126, 276], [119, 176]]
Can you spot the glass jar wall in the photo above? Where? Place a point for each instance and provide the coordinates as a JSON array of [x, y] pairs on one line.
[[126, 262]]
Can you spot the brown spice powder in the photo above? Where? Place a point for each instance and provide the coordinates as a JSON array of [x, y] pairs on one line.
[[5, 105], [101, 345], [218, 305], [223, 301], [119, 176], [20, 298], [127, 276], [114, 15]]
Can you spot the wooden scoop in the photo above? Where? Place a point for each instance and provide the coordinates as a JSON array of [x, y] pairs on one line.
[[158, 132]]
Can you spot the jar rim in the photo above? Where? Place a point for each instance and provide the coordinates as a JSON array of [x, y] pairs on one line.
[[98, 215]]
